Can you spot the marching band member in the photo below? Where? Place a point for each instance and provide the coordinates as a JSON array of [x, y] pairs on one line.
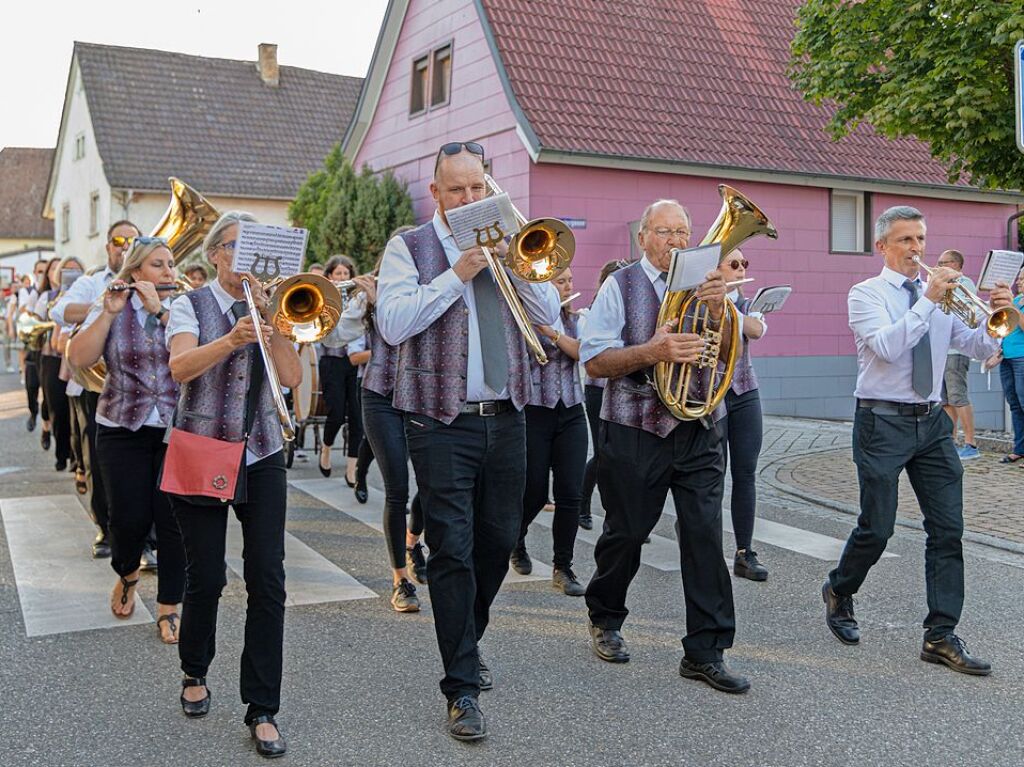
[[743, 428], [646, 451], [27, 297], [133, 413], [213, 355], [556, 443], [902, 340], [463, 378], [56, 417]]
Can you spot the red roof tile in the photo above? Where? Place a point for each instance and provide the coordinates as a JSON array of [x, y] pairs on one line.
[[689, 81]]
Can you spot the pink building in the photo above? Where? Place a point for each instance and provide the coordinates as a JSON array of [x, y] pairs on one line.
[[591, 109]]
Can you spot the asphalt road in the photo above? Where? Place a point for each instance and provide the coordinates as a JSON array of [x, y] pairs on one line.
[[360, 681]]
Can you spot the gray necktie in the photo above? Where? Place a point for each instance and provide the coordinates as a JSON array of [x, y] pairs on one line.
[[921, 375], [493, 349], [240, 309], [150, 325]]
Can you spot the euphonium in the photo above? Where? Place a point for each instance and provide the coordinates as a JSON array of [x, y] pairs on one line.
[[32, 331], [680, 386]]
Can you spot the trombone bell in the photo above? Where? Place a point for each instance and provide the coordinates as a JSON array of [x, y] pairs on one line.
[[541, 250], [306, 307]]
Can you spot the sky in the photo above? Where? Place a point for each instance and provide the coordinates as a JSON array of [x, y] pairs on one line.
[[37, 37]]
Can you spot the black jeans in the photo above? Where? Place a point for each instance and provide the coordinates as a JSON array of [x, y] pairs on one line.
[[32, 382], [59, 410], [471, 475], [86, 414], [130, 462], [556, 442], [883, 446], [593, 397], [744, 432], [341, 395], [637, 471], [204, 529], [385, 430]]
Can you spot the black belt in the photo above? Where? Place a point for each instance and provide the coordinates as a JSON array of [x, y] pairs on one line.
[[885, 407], [489, 408]]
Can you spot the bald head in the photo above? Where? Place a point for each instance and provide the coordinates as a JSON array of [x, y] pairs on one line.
[[664, 226], [458, 180]]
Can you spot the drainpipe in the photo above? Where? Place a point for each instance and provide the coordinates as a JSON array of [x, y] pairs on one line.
[[1009, 231]]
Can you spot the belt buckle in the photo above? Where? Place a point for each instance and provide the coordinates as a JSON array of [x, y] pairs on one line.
[[487, 409]]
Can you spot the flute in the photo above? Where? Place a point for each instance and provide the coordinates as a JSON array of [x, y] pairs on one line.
[[161, 288], [570, 299], [734, 283]]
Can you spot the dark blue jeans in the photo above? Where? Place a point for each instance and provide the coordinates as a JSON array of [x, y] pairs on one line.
[[1011, 373]]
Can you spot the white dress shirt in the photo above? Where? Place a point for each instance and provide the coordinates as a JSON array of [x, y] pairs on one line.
[[85, 290], [607, 315], [350, 324], [358, 345], [734, 296], [886, 328], [405, 308]]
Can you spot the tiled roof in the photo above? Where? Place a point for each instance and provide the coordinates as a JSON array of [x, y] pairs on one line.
[[24, 174], [692, 81], [211, 122]]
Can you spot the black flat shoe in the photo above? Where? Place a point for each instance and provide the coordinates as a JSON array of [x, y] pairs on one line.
[[100, 547], [951, 651], [326, 472], [486, 677], [586, 522], [715, 674], [466, 720], [198, 708], [61, 465], [361, 491], [608, 644], [271, 749], [839, 615], [521, 561], [44, 439], [745, 565], [30, 423]]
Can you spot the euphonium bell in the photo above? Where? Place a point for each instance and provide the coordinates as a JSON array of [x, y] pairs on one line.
[[306, 307], [541, 250]]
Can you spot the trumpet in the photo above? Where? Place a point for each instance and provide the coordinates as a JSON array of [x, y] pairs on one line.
[[969, 308]]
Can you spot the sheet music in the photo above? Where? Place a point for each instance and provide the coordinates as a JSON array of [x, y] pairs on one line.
[[1000, 266], [769, 299], [689, 267], [268, 251], [479, 223]]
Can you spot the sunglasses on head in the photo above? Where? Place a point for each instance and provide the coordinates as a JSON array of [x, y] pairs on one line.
[[736, 263], [457, 146]]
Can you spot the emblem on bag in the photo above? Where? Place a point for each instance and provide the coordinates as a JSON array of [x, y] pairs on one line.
[[220, 482]]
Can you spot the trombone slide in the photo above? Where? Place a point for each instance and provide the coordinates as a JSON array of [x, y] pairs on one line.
[[285, 418]]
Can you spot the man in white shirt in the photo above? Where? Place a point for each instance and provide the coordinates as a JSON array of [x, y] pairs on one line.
[[902, 339]]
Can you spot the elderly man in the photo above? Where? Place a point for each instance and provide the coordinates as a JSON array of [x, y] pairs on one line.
[[463, 378], [646, 452], [902, 339]]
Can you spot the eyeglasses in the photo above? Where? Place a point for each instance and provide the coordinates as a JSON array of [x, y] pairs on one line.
[[736, 263], [119, 240], [457, 146], [683, 234], [229, 245]]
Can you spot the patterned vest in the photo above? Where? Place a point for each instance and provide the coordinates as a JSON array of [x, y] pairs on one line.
[[559, 380], [138, 376], [431, 375], [744, 379], [379, 375], [213, 404]]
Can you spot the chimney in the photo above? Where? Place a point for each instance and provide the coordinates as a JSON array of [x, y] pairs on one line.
[[268, 64]]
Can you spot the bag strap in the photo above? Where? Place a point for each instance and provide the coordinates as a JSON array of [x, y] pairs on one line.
[[252, 396]]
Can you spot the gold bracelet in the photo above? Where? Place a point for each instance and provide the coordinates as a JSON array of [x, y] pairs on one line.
[[558, 335]]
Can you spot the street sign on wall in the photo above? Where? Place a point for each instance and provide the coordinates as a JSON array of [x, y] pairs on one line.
[[1018, 70]]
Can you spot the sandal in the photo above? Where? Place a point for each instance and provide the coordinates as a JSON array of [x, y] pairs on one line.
[[126, 585], [80, 486], [1010, 458], [172, 624]]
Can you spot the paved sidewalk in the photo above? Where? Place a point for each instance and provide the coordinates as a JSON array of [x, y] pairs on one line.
[[813, 460]]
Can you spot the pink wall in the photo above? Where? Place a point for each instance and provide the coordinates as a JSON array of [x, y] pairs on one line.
[[478, 110], [814, 321]]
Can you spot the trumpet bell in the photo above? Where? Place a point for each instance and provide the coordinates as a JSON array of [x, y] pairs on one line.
[[306, 307], [541, 250]]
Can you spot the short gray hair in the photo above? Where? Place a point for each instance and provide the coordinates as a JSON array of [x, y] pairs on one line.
[[649, 211], [896, 213], [230, 218]]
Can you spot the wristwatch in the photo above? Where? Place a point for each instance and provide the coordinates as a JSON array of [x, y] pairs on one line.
[[160, 314]]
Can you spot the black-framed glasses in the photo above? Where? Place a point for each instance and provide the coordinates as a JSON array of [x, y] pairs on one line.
[[455, 147]]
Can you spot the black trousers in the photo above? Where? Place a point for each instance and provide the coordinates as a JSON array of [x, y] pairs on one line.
[[471, 475], [385, 431], [593, 397], [57, 405], [556, 443], [744, 432], [636, 472], [130, 463], [32, 381], [341, 394], [204, 529], [85, 412], [883, 446]]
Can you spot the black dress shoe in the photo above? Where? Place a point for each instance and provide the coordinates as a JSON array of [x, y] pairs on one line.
[[198, 708], [417, 562], [565, 580], [61, 465], [268, 748], [746, 566], [361, 491], [521, 561], [30, 423], [44, 439], [465, 719], [839, 615], [100, 547], [952, 651], [715, 674], [586, 522], [486, 677], [608, 644]]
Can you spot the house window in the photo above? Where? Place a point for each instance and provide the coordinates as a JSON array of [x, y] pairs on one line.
[[79, 146], [848, 226], [94, 214], [65, 222], [441, 76], [420, 79]]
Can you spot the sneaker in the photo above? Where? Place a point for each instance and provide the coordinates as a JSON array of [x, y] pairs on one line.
[[404, 598], [417, 563], [565, 580], [968, 452], [746, 565]]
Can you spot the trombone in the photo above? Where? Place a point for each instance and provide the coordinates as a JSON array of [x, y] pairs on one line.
[[969, 308]]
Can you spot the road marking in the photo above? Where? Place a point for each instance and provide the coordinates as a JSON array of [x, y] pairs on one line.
[[310, 578], [11, 469], [60, 587], [336, 494], [661, 553]]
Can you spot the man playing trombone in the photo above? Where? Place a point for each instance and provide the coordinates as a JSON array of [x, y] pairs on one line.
[[902, 339], [463, 379]]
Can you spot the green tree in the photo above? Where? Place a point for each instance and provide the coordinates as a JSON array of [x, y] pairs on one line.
[[350, 213], [937, 70]]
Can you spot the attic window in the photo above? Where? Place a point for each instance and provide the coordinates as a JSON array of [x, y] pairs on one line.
[[79, 146], [420, 78], [441, 76]]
